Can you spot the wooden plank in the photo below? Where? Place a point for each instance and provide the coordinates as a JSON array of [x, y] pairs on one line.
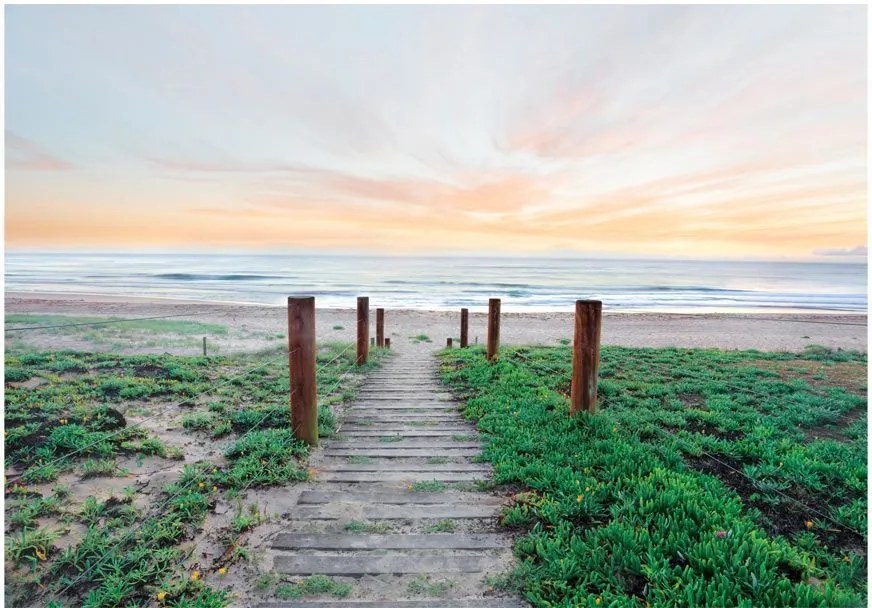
[[373, 542], [400, 478], [391, 466], [403, 453], [404, 443], [441, 603], [381, 512], [319, 497], [360, 565]]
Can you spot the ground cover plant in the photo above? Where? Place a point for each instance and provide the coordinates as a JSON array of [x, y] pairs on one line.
[[103, 506], [708, 478]]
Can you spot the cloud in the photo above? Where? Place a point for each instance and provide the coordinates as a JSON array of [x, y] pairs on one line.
[[22, 153], [859, 250]]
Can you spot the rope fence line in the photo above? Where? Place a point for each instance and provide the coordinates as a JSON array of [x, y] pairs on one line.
[[342, 352]]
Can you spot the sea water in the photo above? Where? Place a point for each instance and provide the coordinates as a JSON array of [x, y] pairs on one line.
[[439, 283]]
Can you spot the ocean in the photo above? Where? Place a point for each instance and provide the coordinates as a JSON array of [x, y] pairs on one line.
[[440, 283]]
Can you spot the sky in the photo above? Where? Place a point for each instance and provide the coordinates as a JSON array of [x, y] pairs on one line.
[[725, 132]]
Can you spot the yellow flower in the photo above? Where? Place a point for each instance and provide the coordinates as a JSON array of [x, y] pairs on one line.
[[809, 524], [40, 554], [161, 596], [579, 498], [222, 571], [846, 559], [214, 488], [201, 484], [195, 575], [598, 600], [587, 488]]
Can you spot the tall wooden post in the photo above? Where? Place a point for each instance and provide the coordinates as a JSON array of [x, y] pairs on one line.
[[301, 364], [585, 356], [362, 330], [380, 327], [493, 329], [464, 327]]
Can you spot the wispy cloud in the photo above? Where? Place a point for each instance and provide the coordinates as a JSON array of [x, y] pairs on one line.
[[859, 250], [729, 130], [23, 153]]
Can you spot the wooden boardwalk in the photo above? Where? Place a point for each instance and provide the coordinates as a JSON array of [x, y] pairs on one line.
[[364, 520]]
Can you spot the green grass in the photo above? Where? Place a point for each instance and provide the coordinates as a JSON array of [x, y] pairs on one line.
[[363, 527], [82, 417], [633, 506], [119, 334], [356, 459], [444, 525], [422, 585], [149, 325], [420, 338], [390, 438], [427, 486], [317, 584]]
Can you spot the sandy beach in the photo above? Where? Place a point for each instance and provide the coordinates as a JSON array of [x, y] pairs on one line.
[[770, 332]]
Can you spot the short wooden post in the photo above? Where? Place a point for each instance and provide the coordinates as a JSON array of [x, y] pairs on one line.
[[585, 356], [387, 342], [372, 341], [204, 346], [448, 342], [380, 327], [301, 364], [493, 329], [464, 327], [362, 330]]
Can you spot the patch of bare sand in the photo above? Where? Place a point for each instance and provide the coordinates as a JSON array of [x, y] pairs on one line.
[[252, 326]]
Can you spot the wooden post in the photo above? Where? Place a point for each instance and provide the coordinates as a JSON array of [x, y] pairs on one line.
[[362, 330], [380, 327], [493, 329], [585, 356], [204, 346], [387, 342], [301, 363], [464, 327], [448, 342], [372, 341]]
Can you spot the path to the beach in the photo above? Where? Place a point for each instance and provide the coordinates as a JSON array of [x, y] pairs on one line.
[[363, 516]]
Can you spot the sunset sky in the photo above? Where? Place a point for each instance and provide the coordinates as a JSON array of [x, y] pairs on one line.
[[638, 130]]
